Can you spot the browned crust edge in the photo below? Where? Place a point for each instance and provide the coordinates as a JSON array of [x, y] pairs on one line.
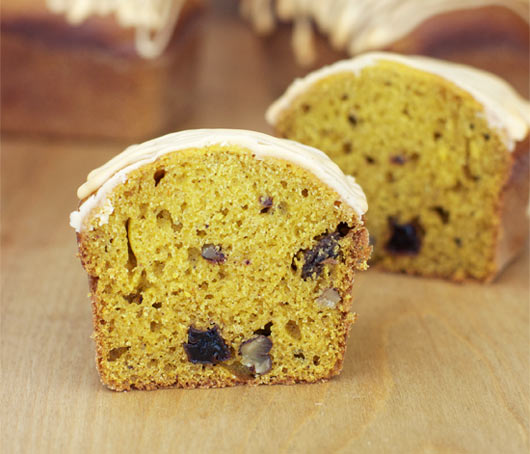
[[513, 209], [359, 253], [465, 28]]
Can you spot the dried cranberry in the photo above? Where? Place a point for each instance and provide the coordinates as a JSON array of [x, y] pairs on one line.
[[206, 347], [405, 238]]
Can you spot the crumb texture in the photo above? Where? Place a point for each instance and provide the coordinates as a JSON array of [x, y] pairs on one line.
[[432, 169], [217, 268]]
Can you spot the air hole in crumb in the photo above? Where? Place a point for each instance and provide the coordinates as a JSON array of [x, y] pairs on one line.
[[135, 298], [283, 183], [337, 203], [389, 177], [265, 331], [305, 192], [159, 174], [158, 268], [183, 206], [352, 119], [306, 108], [153, 362], [344, 96], [208, 297], [224, 211], [458, 242], [469, 175], [200, 233], [293, 329], [157, 305], [444, 214], [316, 360], [131, 260], [299, 355], [369, 160], [115, 353], [193, 254], [486, 137], [176, 227], [437, 135], [343, 229], [154, 327], [283, 207]]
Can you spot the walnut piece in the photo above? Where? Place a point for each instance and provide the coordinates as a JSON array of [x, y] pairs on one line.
[[255, 354], [329, 298]]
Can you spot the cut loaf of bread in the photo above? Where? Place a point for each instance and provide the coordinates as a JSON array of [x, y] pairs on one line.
[[220, 257], [440, 149]]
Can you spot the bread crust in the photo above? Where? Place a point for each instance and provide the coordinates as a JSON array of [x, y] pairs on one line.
[[465, 28], [514, 209], [88, 80]]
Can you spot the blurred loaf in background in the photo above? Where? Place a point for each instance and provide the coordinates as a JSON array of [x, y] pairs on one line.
[[88, 79], [79, 75]]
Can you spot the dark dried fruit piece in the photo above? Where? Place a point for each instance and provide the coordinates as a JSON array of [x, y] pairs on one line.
[[405, 238], [266, 202], [326, 248], [397, 159], [255, 354], [206, 347], [212, 253]]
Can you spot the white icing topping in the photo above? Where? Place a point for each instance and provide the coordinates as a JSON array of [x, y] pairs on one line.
[[359, 25], [504, 109], [115, 171], [154, 20]]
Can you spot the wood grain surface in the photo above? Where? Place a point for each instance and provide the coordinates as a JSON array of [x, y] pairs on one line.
[[431, 366]]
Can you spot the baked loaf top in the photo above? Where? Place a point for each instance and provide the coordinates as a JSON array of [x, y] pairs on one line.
[[359, 25], [103, 179], [154, 20], [505, 110]]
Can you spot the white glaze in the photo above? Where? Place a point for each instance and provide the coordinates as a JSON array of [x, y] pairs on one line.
[[359, 25], [102, 180], [504, 109], [154, 20]]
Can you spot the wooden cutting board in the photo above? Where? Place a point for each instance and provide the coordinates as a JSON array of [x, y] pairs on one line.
[[431, 366]]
